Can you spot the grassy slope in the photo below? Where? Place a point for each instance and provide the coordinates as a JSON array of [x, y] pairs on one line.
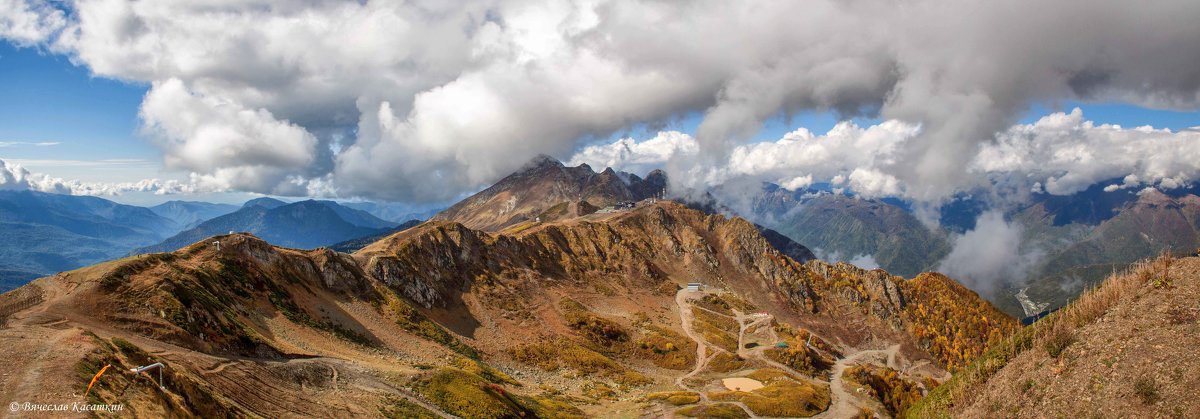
[[1051, 334]]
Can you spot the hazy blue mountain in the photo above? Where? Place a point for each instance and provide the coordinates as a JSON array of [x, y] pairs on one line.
[[46, 233], [396, 212], [352, 245], [268, 203], [189, 214], [304, 224], [786, 245]]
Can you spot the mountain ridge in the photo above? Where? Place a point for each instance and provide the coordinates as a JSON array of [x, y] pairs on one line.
[[441, 291], [543, 183], [304, 224]]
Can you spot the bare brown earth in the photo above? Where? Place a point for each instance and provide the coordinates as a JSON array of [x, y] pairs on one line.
[[1139, 359], [575, 317]]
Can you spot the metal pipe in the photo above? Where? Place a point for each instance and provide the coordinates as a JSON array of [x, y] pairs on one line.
[[155, 365]]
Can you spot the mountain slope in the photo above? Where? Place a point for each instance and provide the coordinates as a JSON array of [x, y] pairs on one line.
[[545, 183], [579, 316], [189, 214], [849, 228], [1070, 243], [305, 224], [352, 245], [1126, 348], [46, 233], [1145, 226]]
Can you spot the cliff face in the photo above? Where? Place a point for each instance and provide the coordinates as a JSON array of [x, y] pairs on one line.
[[641, 247], [666, 243]]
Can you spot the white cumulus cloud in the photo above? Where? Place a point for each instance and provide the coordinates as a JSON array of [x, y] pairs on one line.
[[230, 146], [425, 100]]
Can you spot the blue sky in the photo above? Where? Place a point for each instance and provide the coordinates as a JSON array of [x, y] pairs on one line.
[[44, 98]]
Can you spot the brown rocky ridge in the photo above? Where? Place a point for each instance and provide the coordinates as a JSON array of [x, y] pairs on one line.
[[584, 315]]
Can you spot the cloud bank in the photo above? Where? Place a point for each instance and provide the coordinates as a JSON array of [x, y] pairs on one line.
[[1059, 154], [13, 177], [422, 101]]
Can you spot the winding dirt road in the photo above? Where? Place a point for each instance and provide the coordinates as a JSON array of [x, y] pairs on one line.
[[843, 402], [702, 347]]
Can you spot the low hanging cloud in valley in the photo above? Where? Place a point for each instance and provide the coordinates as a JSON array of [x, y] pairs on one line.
[[989, 255], [423, 101]]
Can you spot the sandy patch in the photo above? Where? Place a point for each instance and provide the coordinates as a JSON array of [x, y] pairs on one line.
[[741, 384]]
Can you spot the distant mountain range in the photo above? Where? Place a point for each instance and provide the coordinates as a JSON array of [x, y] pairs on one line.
[[305, 224], [1084, 247], [189, 214], [841, 227], [46, 233], [1073, 241], [395, 212]]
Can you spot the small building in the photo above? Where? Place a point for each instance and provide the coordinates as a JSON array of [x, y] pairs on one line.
[[781, 345], [695, 286]]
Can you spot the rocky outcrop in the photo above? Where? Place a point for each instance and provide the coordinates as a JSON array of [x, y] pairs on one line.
[[543, 184]]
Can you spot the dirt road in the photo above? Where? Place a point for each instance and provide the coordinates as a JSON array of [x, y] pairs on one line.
[[702, 349], [842, 402]]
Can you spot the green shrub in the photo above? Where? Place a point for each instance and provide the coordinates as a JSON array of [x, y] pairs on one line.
[[470, 396], [677, 398], [1146, 389], [1058, 340], [399, 408], [714, 411]]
